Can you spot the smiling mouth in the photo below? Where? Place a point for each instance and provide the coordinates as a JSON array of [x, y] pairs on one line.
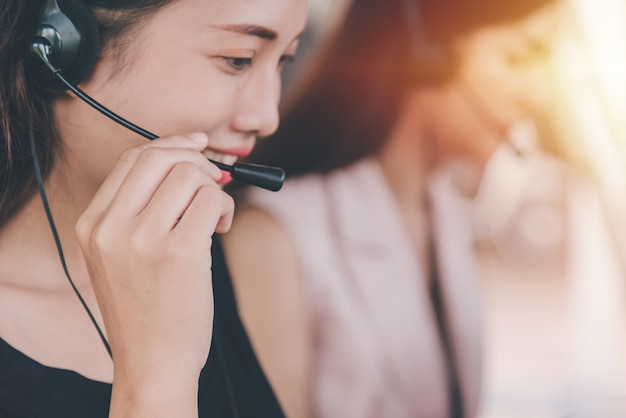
[[229, 159]]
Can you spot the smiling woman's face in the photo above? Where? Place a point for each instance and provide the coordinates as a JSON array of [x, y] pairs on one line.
[[503, 78], [196, 66], [507, 64]]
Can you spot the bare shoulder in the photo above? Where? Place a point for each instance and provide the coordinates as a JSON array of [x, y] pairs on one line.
[[271, 300], [264, 267], [257, 245]]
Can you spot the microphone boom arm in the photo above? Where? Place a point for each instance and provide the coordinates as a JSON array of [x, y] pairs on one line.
[[269, 178]]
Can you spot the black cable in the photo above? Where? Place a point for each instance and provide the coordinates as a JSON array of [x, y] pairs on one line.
[[117, 118], [270, 178], [57, 240], [229, 386]]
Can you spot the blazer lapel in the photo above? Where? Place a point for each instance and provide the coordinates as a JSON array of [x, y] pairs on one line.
[[458, 285], [382, 269]]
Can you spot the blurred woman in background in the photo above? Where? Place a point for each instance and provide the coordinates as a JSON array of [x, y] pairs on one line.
[[364, 302]]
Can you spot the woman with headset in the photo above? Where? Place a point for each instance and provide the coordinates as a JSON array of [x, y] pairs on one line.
[[131, 222], [364, 301]]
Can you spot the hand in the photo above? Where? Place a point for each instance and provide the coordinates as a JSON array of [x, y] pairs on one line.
[[146, 238]]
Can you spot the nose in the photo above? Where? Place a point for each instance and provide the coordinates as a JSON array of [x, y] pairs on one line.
[[257, 113]]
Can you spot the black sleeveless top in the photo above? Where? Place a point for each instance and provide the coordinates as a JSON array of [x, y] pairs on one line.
[[231, 384]]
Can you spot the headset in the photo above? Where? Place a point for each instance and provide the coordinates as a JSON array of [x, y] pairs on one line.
[[63, 53], [70, 30]]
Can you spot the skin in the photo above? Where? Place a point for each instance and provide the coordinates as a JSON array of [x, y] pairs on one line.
[[136, 218], [503, 78], [273, 305]]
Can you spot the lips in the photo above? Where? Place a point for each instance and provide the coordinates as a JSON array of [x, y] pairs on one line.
[[228, 157], [222, 157]]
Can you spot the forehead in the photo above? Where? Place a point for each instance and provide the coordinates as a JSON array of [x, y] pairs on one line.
[[543, 23], [285, 17], [540, 26]]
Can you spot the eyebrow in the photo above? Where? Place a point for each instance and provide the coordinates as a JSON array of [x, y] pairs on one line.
[[250, 29]]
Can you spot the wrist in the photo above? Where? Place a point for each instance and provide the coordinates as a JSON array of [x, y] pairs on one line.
[[154, 396]]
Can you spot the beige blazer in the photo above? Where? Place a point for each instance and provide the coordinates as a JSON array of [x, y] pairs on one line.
[[377, 350]]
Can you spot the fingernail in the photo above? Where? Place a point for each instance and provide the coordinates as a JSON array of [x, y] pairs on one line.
[[198, 137]]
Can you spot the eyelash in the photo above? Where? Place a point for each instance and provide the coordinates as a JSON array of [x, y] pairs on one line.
[[240, 64]]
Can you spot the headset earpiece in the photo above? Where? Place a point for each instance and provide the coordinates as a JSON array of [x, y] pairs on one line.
[[71, 31]]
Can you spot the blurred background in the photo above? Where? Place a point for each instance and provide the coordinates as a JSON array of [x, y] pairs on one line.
[[555, 320]]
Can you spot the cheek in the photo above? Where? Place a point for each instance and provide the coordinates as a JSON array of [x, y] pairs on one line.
[[182, 99], [198, 108], [524, 89], [501, 87], [537, 93]]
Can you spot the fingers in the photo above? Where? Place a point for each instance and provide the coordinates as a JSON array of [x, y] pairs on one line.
[[151, 168], [177, 192], [151, 188], [210, 210], [187, 147]]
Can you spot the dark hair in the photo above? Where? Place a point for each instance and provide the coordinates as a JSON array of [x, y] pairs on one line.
[[349, 101], [21, 100]]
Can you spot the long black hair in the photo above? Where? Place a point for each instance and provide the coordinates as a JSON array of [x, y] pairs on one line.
[[21, 100], [349, 101]]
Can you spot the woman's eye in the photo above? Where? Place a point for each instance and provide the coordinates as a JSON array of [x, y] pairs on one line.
[[238, 63]]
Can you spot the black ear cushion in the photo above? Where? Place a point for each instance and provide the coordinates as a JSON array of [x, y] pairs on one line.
[[89, 49]]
